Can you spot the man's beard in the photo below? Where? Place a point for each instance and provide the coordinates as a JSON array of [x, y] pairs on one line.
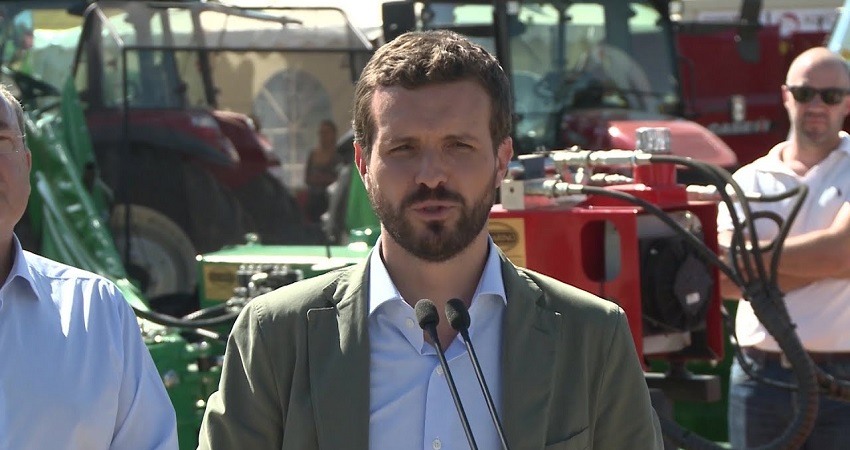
[[439, 242], [818, 133]]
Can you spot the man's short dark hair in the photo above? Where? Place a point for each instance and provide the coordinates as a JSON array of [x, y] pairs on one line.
[[420, 58]]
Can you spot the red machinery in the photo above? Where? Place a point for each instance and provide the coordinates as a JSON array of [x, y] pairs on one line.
[[578, 227]]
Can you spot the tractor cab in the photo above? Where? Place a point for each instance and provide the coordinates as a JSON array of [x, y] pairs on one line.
[[586, 73]]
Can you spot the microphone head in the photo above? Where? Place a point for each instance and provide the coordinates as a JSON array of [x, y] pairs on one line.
[[426, 314], [457, 314]]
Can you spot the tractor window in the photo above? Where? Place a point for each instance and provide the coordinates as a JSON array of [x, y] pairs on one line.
[[574, 55], [152, 81], [604, 54], [151, 77]]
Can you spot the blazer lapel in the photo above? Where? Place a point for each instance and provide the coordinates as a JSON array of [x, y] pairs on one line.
[[528, 352], [338, 343]]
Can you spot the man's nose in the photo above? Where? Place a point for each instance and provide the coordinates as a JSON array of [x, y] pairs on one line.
[[432, 170]]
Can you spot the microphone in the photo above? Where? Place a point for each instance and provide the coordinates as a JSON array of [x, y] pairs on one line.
[[459, 319], [426, 315]]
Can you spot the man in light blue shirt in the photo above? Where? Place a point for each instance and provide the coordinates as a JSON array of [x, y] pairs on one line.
[[74, 372], [339, 361], [406, 374]]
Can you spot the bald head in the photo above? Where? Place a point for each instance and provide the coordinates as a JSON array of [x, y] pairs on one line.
[[815, 95], [818, 59]]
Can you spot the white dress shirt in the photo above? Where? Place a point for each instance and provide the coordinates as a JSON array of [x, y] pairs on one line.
[[410, 403], [74, 372]]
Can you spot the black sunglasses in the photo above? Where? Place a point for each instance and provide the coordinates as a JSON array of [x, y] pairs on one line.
[[830, 96]]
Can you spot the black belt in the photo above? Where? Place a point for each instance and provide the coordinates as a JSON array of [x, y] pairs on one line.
[[762, 356]]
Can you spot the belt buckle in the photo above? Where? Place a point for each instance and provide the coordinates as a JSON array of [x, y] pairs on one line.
[[783, 361]]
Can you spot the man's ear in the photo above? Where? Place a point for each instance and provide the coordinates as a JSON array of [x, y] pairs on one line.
[[360, 160], [503, 156], [787, 98]]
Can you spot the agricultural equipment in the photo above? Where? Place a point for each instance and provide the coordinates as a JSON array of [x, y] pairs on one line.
[[138, 121], [606, 220], [585, 73], [620, 218], [173, 94]]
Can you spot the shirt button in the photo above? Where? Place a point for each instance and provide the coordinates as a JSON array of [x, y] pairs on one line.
[[439, 372], [409, 322], [437, 444]]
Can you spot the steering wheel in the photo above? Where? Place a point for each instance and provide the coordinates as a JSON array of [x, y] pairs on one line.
[[622, 77]]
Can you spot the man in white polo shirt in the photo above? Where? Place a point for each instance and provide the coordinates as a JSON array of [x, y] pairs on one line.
[[814, 270]]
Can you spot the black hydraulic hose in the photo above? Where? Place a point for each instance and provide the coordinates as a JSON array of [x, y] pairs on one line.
[[737, 227], [829, 385], [783, 232], [775, 320], [214, 311], [719, 173], [171, 321], [771, 311], [835, 388], [694, 242]]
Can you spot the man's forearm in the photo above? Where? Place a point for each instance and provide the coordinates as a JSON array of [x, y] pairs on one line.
[[817, 255]]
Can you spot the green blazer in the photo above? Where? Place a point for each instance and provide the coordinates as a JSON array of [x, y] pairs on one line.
[[296, 370]]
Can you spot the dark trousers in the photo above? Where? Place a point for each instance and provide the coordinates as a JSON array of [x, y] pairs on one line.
[[759, 413]]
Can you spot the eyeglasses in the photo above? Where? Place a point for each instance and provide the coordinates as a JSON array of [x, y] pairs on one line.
[[830, 96]]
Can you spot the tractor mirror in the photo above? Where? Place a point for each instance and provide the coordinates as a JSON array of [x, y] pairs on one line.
[[398, 18]]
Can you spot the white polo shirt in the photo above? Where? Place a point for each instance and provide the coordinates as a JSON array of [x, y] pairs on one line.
[[820, 310]]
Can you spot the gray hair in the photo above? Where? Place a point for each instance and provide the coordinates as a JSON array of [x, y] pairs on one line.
[[19, 110]]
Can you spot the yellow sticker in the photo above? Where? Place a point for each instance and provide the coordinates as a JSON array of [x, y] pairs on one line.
[[509, 235], [219, 281]]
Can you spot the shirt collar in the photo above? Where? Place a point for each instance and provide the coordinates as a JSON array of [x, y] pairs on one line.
[[382, 289], [20, 268], [774, 156]]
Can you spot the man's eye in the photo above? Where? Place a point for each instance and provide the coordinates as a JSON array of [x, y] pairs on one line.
[[401, 148]]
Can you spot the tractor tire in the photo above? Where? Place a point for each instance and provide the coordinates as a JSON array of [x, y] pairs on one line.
[[181, 190], [215, 216], [162, 257]]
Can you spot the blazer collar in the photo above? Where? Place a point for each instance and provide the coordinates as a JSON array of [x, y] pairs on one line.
[[338, 343], [529, 335], [338, 357]]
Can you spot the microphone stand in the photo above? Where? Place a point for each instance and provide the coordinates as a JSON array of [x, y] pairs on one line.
[[426, 315], [459, 319]]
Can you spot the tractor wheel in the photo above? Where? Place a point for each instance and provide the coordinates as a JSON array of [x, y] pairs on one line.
[[162, 257], [215, 217]]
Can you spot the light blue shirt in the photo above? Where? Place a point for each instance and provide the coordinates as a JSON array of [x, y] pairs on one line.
[[74, 372], [410, 403]]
